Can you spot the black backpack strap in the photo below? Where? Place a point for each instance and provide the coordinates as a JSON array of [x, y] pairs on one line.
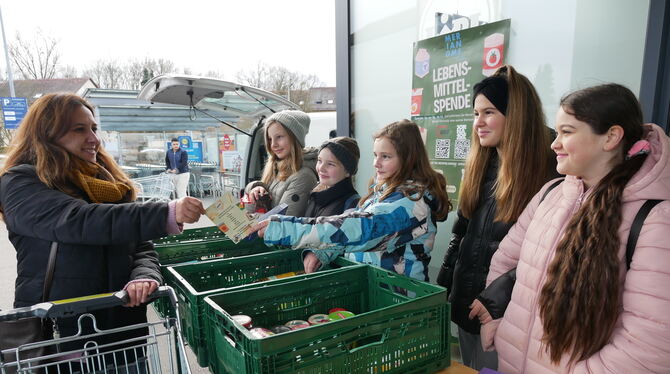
[[636, 227], [551, 187]]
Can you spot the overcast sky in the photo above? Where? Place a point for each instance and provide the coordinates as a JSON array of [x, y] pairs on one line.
[[224, 35]]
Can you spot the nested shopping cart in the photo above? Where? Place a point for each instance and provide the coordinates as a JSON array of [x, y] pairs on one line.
[[154, 187], [152, 347]]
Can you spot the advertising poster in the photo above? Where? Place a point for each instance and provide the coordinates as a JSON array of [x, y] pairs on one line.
[[446, 67], [193, 149]]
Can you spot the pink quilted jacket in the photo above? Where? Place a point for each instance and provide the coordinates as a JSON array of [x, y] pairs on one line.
[[640, 342]]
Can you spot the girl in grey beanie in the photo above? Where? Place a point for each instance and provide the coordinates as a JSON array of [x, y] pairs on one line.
[[289, 173]]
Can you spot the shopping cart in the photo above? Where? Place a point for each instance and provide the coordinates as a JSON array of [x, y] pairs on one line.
[[154, 188], [161, 350]]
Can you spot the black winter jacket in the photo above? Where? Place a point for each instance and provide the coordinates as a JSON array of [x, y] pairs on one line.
[[181, 158], [332, 201], [474, 241], [101, 246]]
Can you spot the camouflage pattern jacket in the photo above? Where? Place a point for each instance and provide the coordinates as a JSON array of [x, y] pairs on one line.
[[396, 234]]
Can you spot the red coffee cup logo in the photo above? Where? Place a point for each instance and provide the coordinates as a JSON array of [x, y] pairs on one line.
[[417, 99], [494, 45]]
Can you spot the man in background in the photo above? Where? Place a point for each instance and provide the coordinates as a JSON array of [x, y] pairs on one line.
[[176, 162]]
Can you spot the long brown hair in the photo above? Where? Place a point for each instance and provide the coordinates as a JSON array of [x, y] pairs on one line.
[[281, 169], [526, 159], [35, 143], [579, 303], [414, 165]]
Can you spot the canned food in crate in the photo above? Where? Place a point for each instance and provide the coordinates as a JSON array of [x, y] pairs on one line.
[[260, 333], [316, 319], [280, 329], [242, 320], [340, 314], [297, 324]]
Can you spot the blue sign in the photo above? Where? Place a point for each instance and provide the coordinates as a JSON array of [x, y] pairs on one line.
[[13, 110], [193, 149]]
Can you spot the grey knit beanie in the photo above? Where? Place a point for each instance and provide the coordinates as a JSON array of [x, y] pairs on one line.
[[295, 121]]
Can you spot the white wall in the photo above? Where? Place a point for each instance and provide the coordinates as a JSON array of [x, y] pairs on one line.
[[319, 128]]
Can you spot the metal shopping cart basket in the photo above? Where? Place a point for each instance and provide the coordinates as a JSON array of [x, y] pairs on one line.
[[161, 350], [154, 188]]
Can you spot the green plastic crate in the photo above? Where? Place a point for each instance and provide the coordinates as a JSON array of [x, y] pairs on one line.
[[211, 232], [192, 282], [194, 245], [199, 248], [390, 333]]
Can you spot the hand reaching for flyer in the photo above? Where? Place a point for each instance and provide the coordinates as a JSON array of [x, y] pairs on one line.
[[260, 227], [188, 210]]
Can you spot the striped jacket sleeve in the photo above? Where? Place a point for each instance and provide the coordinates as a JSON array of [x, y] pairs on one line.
[[374, 228]]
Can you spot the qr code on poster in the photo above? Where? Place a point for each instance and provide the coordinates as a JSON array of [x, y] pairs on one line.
[[460, 132], [462, 148], [442, 148]]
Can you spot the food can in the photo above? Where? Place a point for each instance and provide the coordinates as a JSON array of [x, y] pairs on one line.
[[316, 319], [297, 324], [260, 333], [280, 329], [340, 314], [243, 320]]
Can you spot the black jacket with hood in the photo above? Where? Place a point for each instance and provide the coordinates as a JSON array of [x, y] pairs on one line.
[[333, 201], [101, 246], [474, 241]]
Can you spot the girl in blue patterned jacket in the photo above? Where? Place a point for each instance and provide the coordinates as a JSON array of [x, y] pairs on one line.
[[394, 226]]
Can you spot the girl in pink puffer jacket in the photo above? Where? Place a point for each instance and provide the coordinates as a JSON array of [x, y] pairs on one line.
[[575, 308]]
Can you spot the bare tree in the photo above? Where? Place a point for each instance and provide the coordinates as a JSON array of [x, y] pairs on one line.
[[5, 138], [255, 77], [277, 79], [106, 73], [134, 74], [214, 74], [68, 71], [36, 59], [164, 66], [137, 73]]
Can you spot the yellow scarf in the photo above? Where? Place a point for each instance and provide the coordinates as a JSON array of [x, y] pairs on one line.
[[99, 184]]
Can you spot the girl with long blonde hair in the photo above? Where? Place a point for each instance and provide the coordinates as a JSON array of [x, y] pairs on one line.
[[289, 175]]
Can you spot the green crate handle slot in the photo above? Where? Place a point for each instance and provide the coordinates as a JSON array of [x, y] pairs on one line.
[[380, 342]]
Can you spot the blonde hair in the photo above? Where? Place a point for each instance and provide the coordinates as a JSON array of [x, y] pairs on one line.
[[526, 158], [35, 143], [276, 169]]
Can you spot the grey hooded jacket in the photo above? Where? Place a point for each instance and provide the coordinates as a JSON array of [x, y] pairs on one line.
[[295, 190]]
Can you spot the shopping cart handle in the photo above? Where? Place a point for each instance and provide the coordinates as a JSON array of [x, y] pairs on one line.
[[38, 310], [80, 305], [163, 291]]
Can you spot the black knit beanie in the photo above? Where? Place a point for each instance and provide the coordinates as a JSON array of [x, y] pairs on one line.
[[345, 157], [495, 89]]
